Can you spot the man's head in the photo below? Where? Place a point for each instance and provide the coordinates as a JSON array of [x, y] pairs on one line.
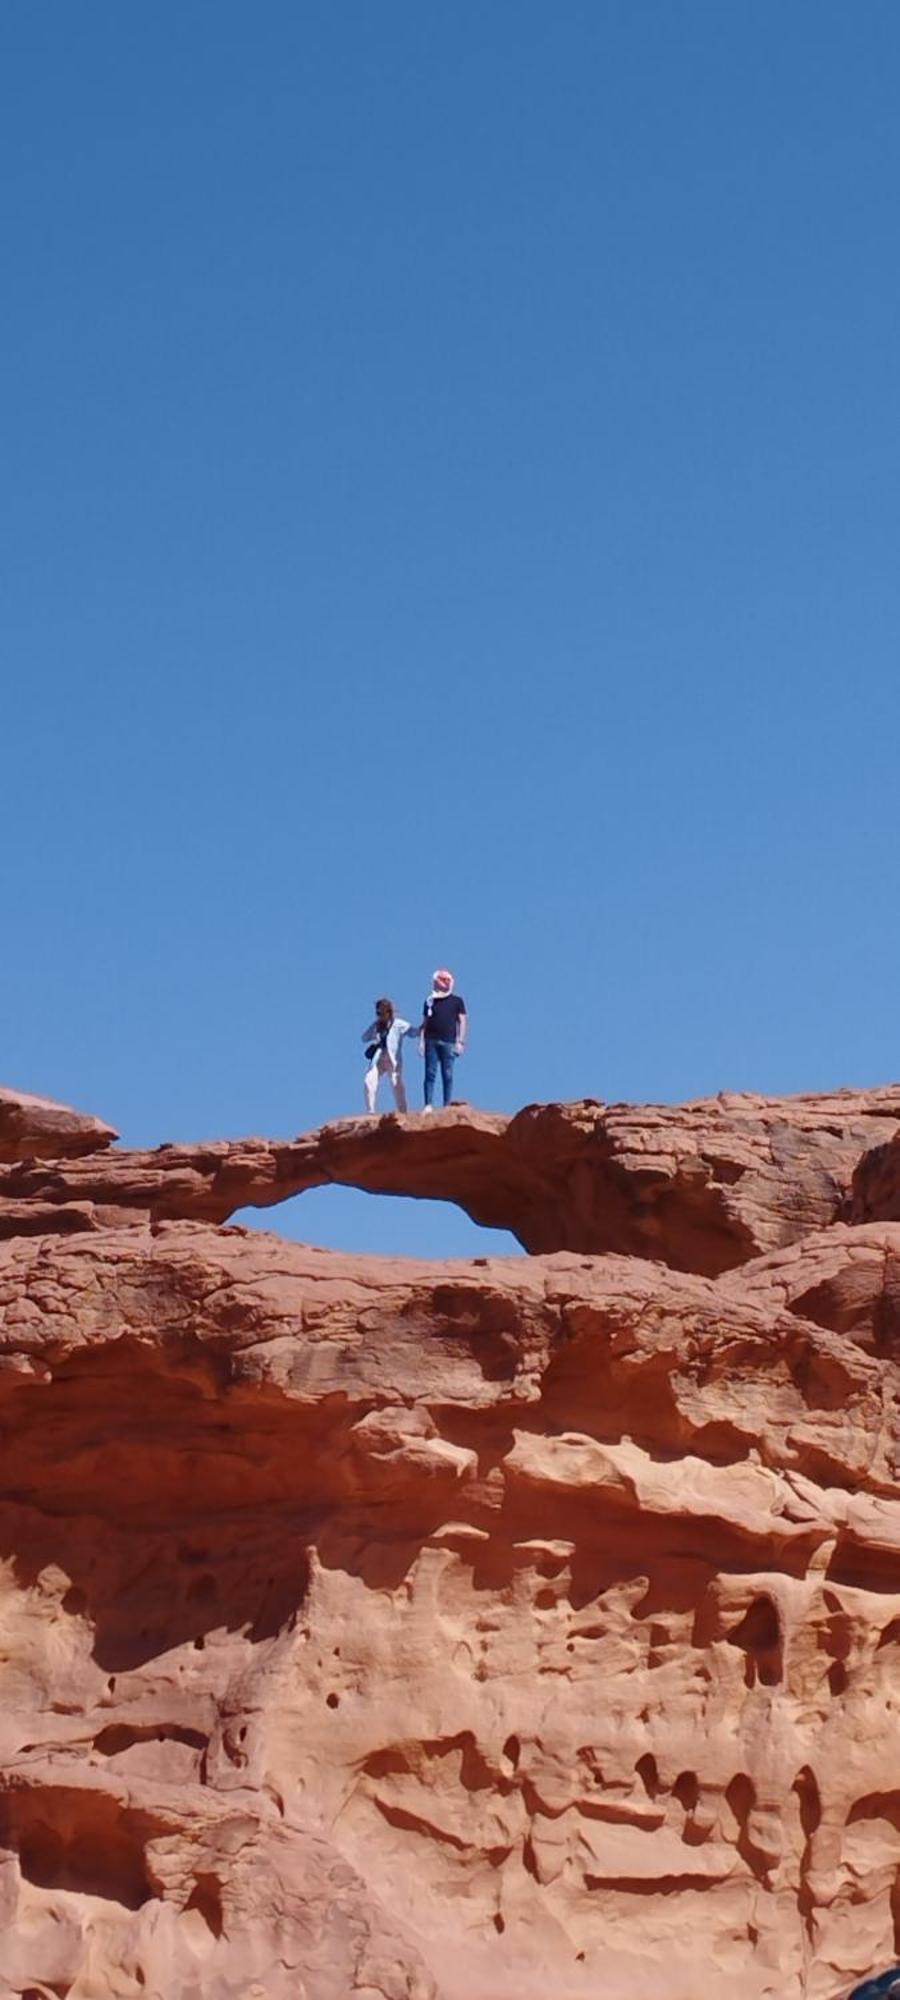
[[442, 980]]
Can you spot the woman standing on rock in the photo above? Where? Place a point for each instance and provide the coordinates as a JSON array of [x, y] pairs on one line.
[[384, 1050]]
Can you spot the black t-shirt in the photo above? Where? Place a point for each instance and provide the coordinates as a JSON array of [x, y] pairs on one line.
[[442, 1017]]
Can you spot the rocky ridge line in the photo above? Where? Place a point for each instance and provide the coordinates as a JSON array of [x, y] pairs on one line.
[[702, 1186]]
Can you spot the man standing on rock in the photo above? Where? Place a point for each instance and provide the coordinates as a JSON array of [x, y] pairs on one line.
[[442, 1036]]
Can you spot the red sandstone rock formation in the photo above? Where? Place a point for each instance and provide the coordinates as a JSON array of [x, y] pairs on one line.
[[702, 1186], [454, 1632], [844, 1278], [876, 1184], [35, 1128]]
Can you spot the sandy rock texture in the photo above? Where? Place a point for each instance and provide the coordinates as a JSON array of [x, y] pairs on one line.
[[701, 1186], [36, 1128], [876, 1184], [410, 1631]]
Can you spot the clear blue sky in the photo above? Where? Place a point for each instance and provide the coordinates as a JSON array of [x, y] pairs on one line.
[[450, 493]]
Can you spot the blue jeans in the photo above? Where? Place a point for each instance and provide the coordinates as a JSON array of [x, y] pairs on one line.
[[445, 1054]]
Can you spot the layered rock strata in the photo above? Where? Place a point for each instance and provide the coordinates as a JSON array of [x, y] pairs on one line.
[[452, 1631], [37, 1128], [701, 1186]]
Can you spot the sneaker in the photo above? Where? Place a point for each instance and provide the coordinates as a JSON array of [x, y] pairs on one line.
[[428, 1111]]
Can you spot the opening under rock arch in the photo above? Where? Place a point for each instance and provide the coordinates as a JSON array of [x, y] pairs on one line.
[[342, 1218]]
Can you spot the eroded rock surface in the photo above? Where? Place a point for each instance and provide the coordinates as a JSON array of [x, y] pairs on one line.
[[37, 1128], [876, 1184], [702, 1186], [844, 1278], [455, 1631]]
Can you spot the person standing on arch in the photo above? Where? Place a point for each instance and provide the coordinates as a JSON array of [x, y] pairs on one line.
[[384, 1038], [442, 1036]]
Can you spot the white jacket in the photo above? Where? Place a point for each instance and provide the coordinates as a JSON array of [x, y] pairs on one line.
[[396, 1034]]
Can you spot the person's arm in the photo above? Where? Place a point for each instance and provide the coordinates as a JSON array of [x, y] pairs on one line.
[[369, 1034], [461, 1026]]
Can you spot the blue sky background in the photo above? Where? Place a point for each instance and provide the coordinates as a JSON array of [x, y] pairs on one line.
[[449, 514]]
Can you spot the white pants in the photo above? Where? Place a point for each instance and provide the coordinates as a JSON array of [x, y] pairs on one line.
[[382, 1066]]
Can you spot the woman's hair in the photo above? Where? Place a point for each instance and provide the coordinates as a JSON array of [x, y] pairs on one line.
[[384, 1010]]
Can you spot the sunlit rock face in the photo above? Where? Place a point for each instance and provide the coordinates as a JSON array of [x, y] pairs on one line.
[[454, 1631], [37, 1128], [702, 1187]]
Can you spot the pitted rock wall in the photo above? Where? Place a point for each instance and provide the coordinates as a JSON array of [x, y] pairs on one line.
[[489, 1628]]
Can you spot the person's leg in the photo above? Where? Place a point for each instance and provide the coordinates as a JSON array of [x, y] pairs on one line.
[[448, 1057], [431, 1063], [399, 1089], [371, 1085]]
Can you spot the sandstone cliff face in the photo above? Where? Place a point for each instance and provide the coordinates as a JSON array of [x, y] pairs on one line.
[[465, 1631]]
